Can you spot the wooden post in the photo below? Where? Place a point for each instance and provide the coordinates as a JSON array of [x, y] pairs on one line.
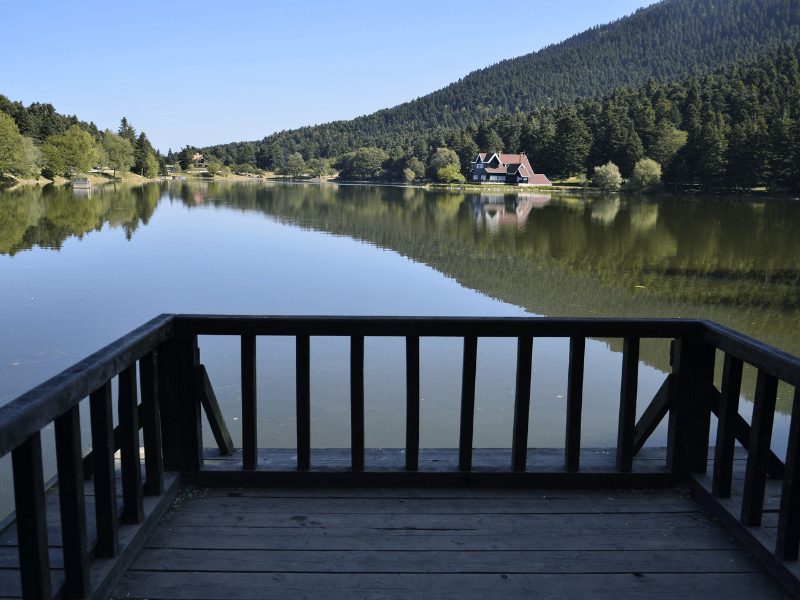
[[755, 476], [690, 415], [105, 484], [303, 369], [34, 559], [728, 414], [626, 431], [151, 426], [131, 464], [572, 444], [72, 503], [467, 403], [180, 410], [412, 403], [249, 404], [789, 516], [522, 404], [357, 402]]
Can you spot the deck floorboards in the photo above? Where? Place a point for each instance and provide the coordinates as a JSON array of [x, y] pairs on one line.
[[243, 543]]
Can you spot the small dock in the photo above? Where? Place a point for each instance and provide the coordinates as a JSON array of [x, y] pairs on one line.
[[176, 518]]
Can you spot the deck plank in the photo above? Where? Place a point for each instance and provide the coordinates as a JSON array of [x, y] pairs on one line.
[[414, 543], [345, 586]]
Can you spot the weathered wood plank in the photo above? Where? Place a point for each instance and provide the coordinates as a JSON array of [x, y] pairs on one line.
[[26, 463], [104, 478], [688, 527], [438, 560], [411, 539], [522, 403], [150, 419], [303, 370], [412, 403], [289, 586], [626, 430], [357, 402], [216, 420], [572, 446], [466, 506], [72, 503], [727, 413], [758, 457], [132, 493], [468, 374], [789, 522]]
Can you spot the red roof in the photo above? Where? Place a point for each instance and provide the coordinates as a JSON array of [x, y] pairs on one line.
[[513, 163]]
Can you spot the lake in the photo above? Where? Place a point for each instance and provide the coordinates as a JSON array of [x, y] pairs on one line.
[[78, 271]]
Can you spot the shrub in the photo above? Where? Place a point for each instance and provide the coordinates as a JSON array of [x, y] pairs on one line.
[[607, 177], [646, 173]]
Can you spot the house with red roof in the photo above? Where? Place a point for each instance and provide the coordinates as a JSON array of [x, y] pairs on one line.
[[511, 169]]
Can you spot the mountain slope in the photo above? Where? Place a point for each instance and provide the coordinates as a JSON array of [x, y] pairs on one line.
[[667, 41]]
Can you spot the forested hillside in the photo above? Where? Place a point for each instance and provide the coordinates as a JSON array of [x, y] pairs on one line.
[[665, 42]]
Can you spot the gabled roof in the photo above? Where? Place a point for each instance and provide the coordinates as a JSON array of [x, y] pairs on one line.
[[511, 164]]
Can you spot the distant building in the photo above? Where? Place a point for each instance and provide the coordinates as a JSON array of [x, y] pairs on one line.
[[510, 169], [198, 162]]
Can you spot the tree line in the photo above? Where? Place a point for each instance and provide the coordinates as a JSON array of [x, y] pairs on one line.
[[38, 142], [736, 128]]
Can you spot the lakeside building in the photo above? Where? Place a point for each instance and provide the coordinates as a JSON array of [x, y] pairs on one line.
[[510, 169]]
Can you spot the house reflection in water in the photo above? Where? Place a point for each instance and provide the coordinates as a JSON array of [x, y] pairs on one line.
[[505, 210]]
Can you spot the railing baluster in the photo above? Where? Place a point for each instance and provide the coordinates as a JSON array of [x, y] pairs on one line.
[[412, 403], [105, 485], [626, 431], [130, 458], [522, 404], [303, 360], [72, 503], [789, 516], [755, 477], [34, 559], [572, 445], [151, 425], [467, 403], [727, 413], [357, 402], [249, 404]]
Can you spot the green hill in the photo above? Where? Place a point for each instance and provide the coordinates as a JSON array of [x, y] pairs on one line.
[[667, 41]]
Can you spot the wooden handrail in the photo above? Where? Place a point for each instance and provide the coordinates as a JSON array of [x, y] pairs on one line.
[[37, 408]]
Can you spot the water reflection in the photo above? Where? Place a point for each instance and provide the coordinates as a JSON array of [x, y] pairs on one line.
[[47, 216], [734, 261]]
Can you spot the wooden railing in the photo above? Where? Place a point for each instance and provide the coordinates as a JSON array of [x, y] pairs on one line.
[[175, 389]]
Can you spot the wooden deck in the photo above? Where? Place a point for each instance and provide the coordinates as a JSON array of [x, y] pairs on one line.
[[409, 522], [425, 543]]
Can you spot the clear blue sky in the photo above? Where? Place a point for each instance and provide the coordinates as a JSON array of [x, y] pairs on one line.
[[205, 73]]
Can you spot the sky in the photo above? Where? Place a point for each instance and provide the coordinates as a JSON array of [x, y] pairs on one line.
[[203, 73]]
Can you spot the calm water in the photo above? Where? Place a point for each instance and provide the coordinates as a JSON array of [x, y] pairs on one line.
[[78, 272]]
